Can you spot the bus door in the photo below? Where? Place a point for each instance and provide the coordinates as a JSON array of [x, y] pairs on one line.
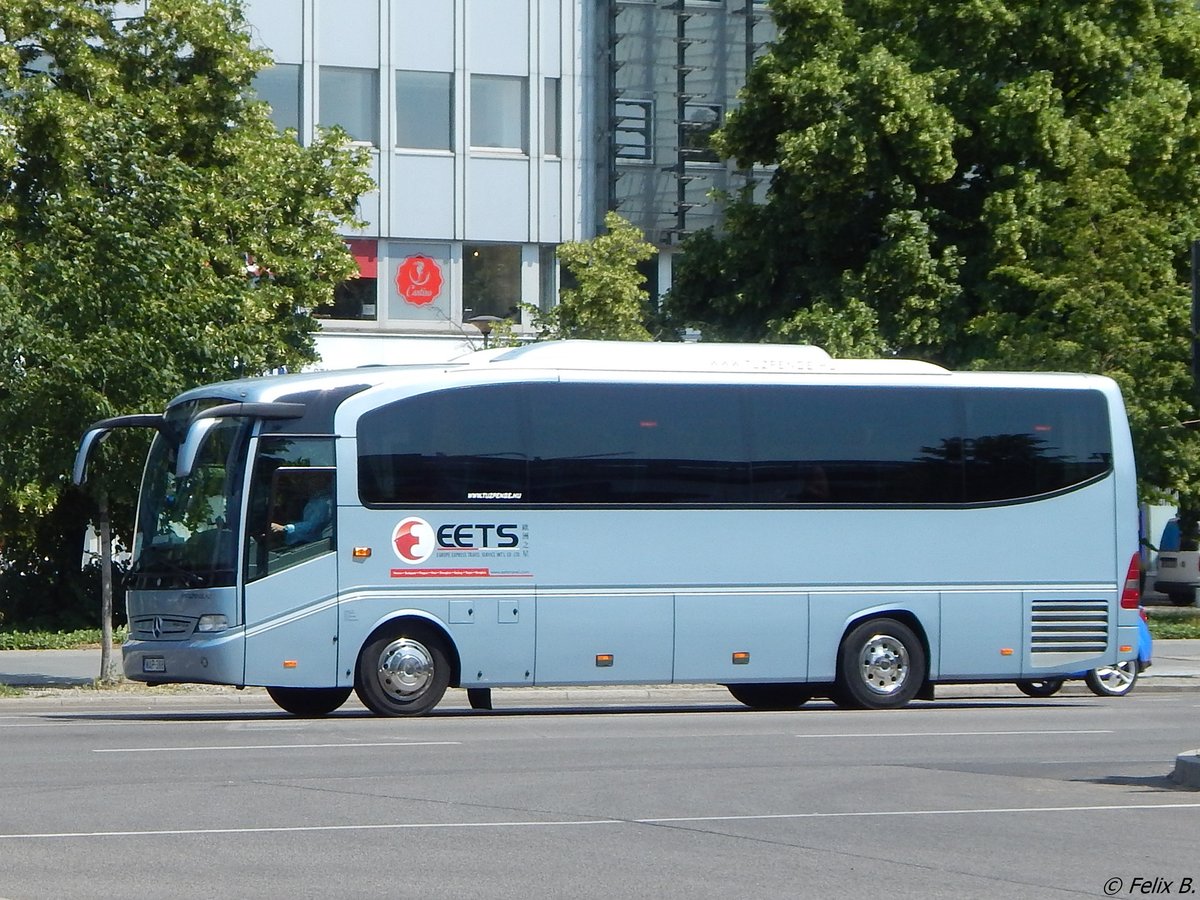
[[290, 594]]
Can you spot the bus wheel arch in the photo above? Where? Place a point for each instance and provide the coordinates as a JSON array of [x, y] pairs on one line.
[[882, 661], [405, 666]]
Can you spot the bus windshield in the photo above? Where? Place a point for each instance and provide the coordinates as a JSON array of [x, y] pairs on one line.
[[187, 528]]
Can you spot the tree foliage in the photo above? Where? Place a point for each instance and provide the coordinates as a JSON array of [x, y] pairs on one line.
[[989, 183], [156, 232], [607, 300]]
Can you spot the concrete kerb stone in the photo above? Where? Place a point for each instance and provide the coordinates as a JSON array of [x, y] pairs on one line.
[[1187, 770]]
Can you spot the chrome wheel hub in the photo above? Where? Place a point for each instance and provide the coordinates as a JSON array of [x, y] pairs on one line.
[[884, 664], [1118, 678], [405, 669]]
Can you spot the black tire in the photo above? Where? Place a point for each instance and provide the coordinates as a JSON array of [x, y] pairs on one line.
[[1182, 599], [881, 665], [403, 671], [309, 703], [771, 696], [1113, 681], [1042, 687], [479, 698]]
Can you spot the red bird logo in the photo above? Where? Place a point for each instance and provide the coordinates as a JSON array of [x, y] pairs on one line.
[[413, 540]]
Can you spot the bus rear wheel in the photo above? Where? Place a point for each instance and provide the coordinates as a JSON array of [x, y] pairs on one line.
[[403, 671], [771, 696], [310, 703], [881, 665], [1113, 681]]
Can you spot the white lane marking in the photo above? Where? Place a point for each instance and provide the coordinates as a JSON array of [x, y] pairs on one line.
[[922, 812], [277, 747], [576, 823], [891, 734]]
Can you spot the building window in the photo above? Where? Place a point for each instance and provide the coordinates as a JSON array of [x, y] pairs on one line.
[[500, 112], [424, 110], [350, 98], [491, 280], [696, 129], [356, 299], [279, 87], [552, 119], [631, 128], [419, 283]]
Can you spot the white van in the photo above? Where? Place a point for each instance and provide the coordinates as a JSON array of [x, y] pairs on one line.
[[1178, 575]]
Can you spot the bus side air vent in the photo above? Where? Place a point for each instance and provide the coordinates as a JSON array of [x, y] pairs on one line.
[[1068, 629]]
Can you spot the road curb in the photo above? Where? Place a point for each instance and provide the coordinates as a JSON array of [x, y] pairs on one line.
[[1187, 770], [578, 694]]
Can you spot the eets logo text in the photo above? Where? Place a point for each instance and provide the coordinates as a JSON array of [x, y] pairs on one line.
[[415, 541]]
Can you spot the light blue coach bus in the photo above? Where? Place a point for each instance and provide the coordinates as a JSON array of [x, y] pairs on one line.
[[759, 516]]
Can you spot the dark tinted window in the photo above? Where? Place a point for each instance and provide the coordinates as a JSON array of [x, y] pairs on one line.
[[444, 447], [1025, 443], [636, 443], [597, 444], [853, 445]]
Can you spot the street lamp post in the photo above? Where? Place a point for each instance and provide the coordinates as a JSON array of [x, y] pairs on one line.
[[485, 324]]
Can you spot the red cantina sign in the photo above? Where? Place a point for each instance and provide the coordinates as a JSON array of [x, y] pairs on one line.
[[419, 280]]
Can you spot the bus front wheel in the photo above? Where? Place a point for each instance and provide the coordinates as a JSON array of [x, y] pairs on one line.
[[881, 665], [403, 671], [309, 703], [771, 696]]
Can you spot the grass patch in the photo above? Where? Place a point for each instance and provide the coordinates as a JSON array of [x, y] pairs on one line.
[[7, 690], [1175, 629], [56, 640]]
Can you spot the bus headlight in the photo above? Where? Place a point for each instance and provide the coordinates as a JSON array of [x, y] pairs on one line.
[[212, 623]]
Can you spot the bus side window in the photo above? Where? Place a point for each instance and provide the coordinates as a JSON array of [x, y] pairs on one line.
[[302, 506], [292, 505]]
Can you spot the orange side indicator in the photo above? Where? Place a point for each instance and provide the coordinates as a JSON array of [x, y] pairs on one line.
[[290, 663], [1006, 651], [604, 660], [741, 658], [361, 552], [1125, 648]]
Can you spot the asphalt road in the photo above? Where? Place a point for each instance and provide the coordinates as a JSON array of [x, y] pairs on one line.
[[221, 795]]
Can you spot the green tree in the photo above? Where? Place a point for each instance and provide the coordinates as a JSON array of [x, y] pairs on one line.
[[994, 183], [157, 233], [607, 301]]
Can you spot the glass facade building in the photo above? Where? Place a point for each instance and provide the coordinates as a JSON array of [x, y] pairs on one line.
[[497, 130]]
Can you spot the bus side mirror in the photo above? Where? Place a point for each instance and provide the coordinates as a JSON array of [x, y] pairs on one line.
[[98, 431], [91, 438], [189, 450]]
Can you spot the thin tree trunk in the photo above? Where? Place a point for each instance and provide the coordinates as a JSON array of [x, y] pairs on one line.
[[109, 671]]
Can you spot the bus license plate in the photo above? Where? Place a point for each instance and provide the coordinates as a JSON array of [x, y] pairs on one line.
[[1167, 563], [154, 664]]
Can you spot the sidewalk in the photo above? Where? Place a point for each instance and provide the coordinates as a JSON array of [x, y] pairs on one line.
[[1176, 664]]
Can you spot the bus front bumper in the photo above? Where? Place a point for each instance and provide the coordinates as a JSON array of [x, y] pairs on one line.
[[220, 659]]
